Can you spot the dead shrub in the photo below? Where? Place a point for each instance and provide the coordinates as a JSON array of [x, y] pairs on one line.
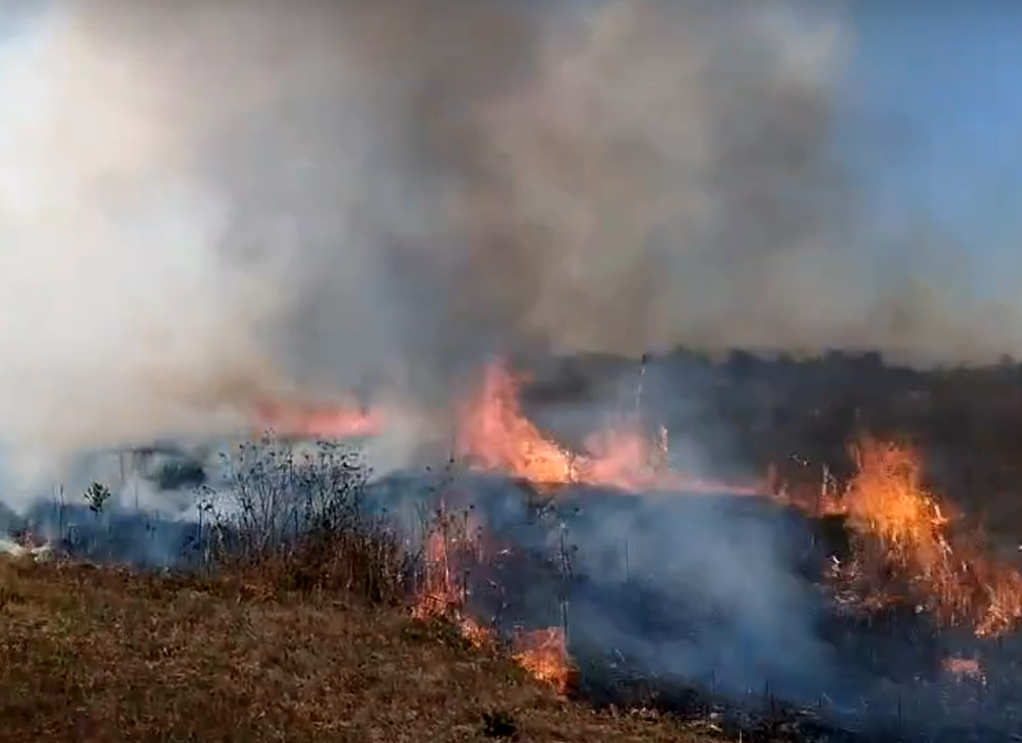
[[296, 517]]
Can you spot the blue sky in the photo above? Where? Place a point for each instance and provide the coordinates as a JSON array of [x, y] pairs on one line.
[[941, 85]]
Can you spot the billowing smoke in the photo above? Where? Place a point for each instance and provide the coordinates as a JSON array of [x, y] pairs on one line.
[[204, 206]]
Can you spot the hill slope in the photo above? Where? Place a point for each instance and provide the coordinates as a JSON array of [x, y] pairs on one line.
[[92, 654]]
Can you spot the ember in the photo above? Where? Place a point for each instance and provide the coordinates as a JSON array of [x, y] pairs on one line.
[[964, 668]]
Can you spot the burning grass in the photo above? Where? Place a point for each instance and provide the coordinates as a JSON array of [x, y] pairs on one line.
[[905, 535], [296, 525], [300, 631], [495, 435], [451, 551], [903, 529]]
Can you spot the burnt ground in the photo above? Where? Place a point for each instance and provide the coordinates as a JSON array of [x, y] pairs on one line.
[[95, 654], [715, 605]]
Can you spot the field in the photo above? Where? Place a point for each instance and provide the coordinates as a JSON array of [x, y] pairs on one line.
[[93, 654], [294, 612]]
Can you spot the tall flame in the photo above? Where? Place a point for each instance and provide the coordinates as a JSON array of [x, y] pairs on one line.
[[494, 434], [887, 500]]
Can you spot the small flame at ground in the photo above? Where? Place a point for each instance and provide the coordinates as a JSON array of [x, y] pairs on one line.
[[543, 653]]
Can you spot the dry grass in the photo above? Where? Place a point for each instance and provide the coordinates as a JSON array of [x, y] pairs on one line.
[[94, 654]]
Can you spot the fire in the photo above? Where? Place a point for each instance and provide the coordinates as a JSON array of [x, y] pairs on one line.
[[543, 653], [964, 668], [440, 596], [325, 422], [905, 528], [448, 544], [887, 500], [494, 434]]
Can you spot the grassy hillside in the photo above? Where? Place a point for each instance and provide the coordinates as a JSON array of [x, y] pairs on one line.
[[94, 654]]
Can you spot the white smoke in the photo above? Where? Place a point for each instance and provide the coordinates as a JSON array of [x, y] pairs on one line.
[[204, 206], [118, 319]]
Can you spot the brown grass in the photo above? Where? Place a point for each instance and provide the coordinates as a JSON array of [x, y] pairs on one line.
[[100, 655]]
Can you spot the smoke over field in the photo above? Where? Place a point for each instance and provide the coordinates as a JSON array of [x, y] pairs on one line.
[[206, 207]]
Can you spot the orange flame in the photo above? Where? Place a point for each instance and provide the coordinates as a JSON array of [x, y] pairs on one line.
[[439, 596], [324, 422], [888, 501], [544, 654], [494, 434], [908, 529]]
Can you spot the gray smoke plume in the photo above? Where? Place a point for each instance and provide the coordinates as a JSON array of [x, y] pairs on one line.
[[204, 206]]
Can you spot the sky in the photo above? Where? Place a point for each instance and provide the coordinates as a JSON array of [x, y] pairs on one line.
[[939, 85], [932, 125]]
